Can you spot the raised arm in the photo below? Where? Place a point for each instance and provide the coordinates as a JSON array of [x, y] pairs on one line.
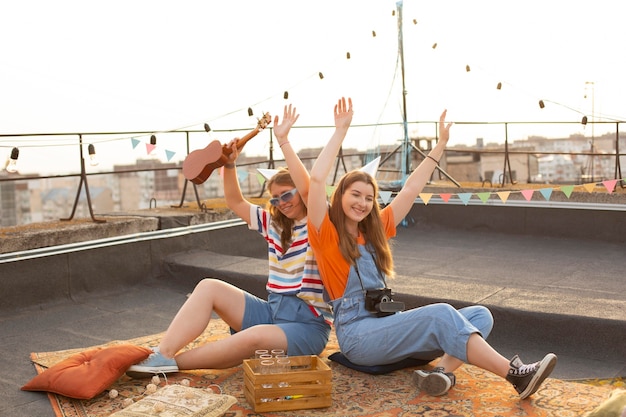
[[416, 182], [317, 205], [297, 170], [232, 192]]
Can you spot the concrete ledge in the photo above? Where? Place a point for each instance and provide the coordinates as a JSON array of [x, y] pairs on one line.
[[187, 269]]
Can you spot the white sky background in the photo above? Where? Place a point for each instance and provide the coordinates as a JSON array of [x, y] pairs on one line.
[[139, 65]]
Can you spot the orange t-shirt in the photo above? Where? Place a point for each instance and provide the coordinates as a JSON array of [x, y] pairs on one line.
[[333, 267]]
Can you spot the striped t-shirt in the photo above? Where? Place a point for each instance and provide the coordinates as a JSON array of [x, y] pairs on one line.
[[294, 272]]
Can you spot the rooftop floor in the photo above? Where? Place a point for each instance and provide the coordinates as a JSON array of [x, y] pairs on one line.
[[560, 294]]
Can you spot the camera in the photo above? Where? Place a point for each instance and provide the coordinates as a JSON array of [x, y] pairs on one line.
[[380, 301]]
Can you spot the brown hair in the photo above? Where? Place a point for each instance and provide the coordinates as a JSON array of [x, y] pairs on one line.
[[279, 220], [371, 226]]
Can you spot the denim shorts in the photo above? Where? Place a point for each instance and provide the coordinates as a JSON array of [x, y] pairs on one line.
[[306, 333]]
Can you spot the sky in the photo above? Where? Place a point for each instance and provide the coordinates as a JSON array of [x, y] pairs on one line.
[[159, 66]]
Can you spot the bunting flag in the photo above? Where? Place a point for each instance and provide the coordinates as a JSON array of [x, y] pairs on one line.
[[150, 148], [425, 197], [385, 196], [483, 196], [567, 190], [465, 197], [504, 195], [546, 193], [329, 190], [609, 185], [528, 194]]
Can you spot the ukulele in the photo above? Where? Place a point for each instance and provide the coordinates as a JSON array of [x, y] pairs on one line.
[[199, 164]]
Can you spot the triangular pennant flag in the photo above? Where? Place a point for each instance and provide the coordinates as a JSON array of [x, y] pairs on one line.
[[372, 167], [169, 154], [589, 187], [385, 196], [149, 148], [329, 190], [483, 196], [260, 178], [445, 197], [610, 185], [528, 194], [425, 197], [567, 190], [504, 195], [267, 173], [546, 193], [465, 197], [242, 174], [135, 142]]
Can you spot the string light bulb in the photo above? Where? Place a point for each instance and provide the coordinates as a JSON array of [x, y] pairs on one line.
[[584, 121], [373, 34], [499, 86], [153, 140], [467, 68], [93, 160], [347, 55], [286, 95], [207, 128], [12, 165], [321, 76], [250, 112], [434, 45], [541, 105]]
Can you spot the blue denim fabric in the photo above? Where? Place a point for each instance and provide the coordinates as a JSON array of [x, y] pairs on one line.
[[422, 333], [306, 334]]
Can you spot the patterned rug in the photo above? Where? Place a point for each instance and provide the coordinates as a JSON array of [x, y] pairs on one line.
[[477, 392]]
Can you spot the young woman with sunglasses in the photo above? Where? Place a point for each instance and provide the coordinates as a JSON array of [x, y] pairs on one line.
[[350, 241], [295, 316]]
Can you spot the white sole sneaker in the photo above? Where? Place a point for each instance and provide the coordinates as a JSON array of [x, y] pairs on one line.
[[546, 366], [432, 383]]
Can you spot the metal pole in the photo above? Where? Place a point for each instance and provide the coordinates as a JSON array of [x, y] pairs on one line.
[[406, 148]]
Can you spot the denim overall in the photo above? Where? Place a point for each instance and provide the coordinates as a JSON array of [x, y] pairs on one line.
[[422, 333]]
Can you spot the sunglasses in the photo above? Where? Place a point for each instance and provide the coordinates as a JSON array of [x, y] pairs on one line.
[[285, 197]]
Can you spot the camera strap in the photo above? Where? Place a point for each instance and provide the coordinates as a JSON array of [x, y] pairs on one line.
[[358, 274]]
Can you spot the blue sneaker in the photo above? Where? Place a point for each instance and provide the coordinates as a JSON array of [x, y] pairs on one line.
[[435, 382], [153, 365]]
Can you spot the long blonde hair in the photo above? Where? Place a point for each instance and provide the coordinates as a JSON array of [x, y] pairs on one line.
[[371, 226], [280, 221]]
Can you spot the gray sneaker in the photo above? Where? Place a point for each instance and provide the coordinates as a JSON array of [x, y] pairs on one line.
[[435, 382], [527, 378], [153, 365]]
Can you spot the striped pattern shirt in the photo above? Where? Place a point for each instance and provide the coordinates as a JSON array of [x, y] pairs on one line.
[[295, 271]]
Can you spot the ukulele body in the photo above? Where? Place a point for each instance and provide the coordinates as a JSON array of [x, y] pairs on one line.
[[200, 163]]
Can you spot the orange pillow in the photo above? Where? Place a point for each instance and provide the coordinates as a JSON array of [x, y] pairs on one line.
[[86, 374]]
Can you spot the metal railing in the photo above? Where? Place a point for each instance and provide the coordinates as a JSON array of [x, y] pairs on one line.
[[200, 136]]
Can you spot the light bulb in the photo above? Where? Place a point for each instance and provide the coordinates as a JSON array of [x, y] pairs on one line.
[[93, 160], [12, 166]]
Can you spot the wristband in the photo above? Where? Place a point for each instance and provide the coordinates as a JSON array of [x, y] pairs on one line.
[[284, 143], [230, 166]]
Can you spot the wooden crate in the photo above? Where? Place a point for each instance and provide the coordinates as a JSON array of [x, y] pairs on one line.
[[309, 381]]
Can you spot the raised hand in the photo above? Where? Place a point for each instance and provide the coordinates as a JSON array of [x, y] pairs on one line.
[[343, 113], [444, 129], [289, 119]]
